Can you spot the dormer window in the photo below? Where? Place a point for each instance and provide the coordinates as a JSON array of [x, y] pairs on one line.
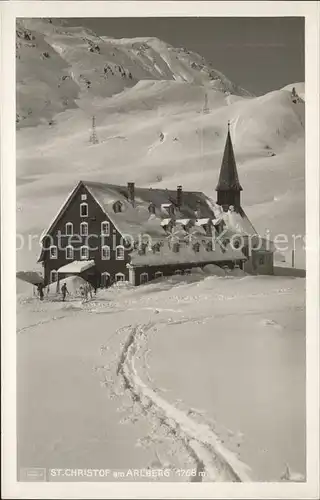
[[105, 228], [120, 252], [156, 247], [167, 225], [168, 208], [176, 247], [117, 207], [84, 230], [142, 248], [84, 210], [69, 229], [196, 247], [152, 208], [209, 246]]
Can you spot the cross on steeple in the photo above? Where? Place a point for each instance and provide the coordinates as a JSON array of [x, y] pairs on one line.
[[228, 187]]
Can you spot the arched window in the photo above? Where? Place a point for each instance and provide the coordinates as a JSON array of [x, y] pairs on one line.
[[117, 207], [105, 252], [84, 229], [120, 277], [84, 253], [83, 209], [178, 271], [53, 276], [158, 274], [69, 252], [69, 228], [187, 271], [120, 252], [105, 280], [53, 252], [105, 228], [144, 278]]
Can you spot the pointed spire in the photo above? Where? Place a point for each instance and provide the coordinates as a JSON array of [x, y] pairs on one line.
[[228, 179]]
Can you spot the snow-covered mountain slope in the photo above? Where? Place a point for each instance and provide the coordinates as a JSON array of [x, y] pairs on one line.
[[299, 89], [155, 129], [68, 63]]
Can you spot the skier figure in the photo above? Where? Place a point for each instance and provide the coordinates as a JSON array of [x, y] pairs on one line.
[[40, 288], [64, 291]]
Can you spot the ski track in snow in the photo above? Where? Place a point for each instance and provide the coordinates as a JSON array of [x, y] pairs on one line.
[[217, 462]]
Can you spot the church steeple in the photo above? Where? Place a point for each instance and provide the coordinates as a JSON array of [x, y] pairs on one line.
[[228, 187]]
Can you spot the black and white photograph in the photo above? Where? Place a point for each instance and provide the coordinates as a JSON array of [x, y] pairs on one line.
[[161, 250]]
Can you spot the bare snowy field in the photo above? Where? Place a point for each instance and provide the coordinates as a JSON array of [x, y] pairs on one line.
[[207, 373]]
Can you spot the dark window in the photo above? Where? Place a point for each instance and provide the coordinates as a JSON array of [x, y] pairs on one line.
[[53, 276], [144, 278], [176, 247], [105, 252], [105, 228], [84, 230], [53, 252], [69, 228], [84, 253], [84, 209], [120, 252], [196, 247], [69, 252]]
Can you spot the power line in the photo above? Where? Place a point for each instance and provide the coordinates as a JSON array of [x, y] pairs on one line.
[[94, 137]]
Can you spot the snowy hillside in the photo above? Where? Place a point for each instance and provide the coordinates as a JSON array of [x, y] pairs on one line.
[[162, 126], [75, 63]]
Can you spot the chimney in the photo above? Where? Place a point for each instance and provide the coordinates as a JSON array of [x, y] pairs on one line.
[[131, 192], [179, 196]]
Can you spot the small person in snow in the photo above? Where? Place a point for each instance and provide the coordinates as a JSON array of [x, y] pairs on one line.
[[64, 291], [40, 288]]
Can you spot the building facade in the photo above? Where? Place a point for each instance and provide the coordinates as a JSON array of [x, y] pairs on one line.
[[108, 233]]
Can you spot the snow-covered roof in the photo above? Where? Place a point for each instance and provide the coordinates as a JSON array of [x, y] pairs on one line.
[[77, 266], [186, 254], [135, 219], [201, 222], [238, 222], [165, 222], [183, 222]]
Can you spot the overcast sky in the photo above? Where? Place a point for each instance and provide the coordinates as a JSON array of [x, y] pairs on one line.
[[260, 54]]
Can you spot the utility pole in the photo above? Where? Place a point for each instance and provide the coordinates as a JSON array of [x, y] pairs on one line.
[[93, 137], [292, 257], [205, 106]]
